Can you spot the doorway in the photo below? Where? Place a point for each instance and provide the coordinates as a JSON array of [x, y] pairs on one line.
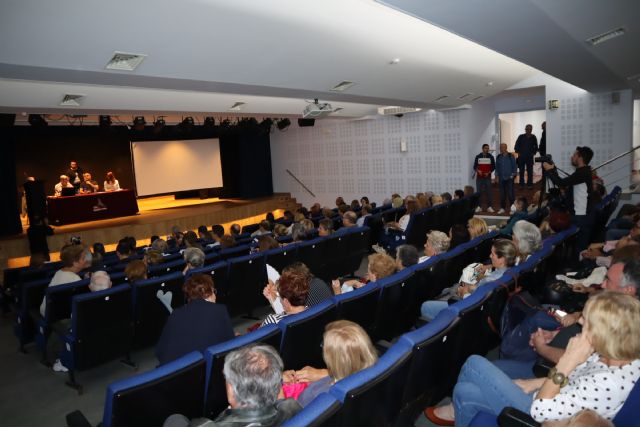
[[510, 125]]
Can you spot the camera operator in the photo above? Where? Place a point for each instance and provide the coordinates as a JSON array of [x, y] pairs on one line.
[[579, 189]]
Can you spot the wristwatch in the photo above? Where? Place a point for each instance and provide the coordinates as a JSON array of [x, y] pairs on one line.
[[558, 378]]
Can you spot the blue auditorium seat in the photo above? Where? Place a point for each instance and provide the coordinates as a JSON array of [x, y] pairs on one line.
[[322, 411], [359, 306]]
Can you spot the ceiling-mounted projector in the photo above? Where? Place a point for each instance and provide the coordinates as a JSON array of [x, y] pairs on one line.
[[317, 110]]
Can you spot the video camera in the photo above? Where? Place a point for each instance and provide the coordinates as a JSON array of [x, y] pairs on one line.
[[544, 159]]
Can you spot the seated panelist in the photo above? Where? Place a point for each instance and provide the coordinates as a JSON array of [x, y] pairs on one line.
[[88, 185], [64, 183]]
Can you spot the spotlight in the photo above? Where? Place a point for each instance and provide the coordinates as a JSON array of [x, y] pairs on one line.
[[104, 121], [283, 124], [266, 125], [186, 124], [248, 122], [209, 122], [37, 120], [158, 125], [139, 123], [226, 123]]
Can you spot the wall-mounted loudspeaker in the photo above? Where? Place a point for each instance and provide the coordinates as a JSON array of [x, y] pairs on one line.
[[615, 97], [306, 122]]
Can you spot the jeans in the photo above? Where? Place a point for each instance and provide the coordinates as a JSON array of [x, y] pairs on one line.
[[484, 187], [430, 309], [483, 387], [585, 223], [528, 163], [506, 194], [515, 369]]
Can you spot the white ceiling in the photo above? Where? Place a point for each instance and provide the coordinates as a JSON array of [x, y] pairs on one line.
[[204, 55]]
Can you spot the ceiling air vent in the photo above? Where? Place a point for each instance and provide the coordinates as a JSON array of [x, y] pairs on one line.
[[125, 61], [441, 98], [335, 110], [342, 86], [70, 100], [596, 40], [237, 106], [477, 98], [466, 95], [392, 111]]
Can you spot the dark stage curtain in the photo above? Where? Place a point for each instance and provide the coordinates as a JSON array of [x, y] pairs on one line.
[[9, 197]]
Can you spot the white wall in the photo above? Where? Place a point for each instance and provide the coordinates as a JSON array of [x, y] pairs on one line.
[[636, 134], [362, 158]]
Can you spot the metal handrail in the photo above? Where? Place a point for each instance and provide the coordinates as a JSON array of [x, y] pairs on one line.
[[300, 182]]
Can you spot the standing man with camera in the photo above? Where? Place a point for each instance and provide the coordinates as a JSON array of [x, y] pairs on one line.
[[579, 186], [526, 147]]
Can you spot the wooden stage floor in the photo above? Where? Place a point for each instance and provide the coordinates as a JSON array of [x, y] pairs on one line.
[[156, 217]]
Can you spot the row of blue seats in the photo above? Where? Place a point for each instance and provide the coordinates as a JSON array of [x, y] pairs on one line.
[[418, 369]]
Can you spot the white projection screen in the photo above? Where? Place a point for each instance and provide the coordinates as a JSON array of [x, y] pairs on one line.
[[170, 166]]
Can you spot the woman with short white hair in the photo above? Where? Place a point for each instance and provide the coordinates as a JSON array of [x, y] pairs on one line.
[[527, 239]]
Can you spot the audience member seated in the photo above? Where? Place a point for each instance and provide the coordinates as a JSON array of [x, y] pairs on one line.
[[197, 325], [446, 197], [597, 372], [160, 245], [520, 213], [235, 230], [253, 375], [411, 205], [527, 239], [436, 200], [380, 266], [318, 289], [325, 227], [437, 243], [477, 227], [97, 257], [458, 194], [293, 289], [600, 253], [190, 240], [423, 201], [267, 242], [346, 349], [193, 258], [135, 270], [280, 230], [64, 183], [364, 200], [227, 241], [123, 250], [153, 257], [503, 256], [100, 281], [458, 235], [364, 213], [339, 202], [217, 232], [548, 336], [406, 256], [204, 234], [75, 258], [263, 228], [88, 185], [111, 183]]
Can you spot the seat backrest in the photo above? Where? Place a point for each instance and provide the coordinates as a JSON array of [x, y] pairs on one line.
[[149, 398], [102, 327], [280, 258], [216, 395], [247, 277], [373, 396], [322, 411], [149, 313], [167, 267], [398, 306], [359, 306], [312, 254], [628, 414], [59, 300], [219, 272], [335, 255], [233, 252], [302, 335], [429, 379], [250, 228]]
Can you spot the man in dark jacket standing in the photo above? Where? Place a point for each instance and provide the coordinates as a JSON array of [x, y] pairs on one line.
[[483, 166], [526, 147]]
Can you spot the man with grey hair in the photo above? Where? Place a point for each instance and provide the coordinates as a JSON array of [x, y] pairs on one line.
[[437, 243], [527, 238], [64, 183], [100, 281], [253, 376], [193, 258]]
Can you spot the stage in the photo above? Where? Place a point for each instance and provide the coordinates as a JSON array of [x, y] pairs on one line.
[[156, 217]]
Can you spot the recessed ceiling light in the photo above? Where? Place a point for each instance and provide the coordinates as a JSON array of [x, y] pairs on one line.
[[612, 34], [125, 61], [394, 61], [489, 84], [342, 86], [441, 98]]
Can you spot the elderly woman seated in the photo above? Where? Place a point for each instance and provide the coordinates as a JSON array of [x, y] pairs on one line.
[[136, 270], [380, 266], [293, 289], [437, 243], [193, 258], [198, 324], [527, 238], [346, 349], [597, 371], [503, 256]]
